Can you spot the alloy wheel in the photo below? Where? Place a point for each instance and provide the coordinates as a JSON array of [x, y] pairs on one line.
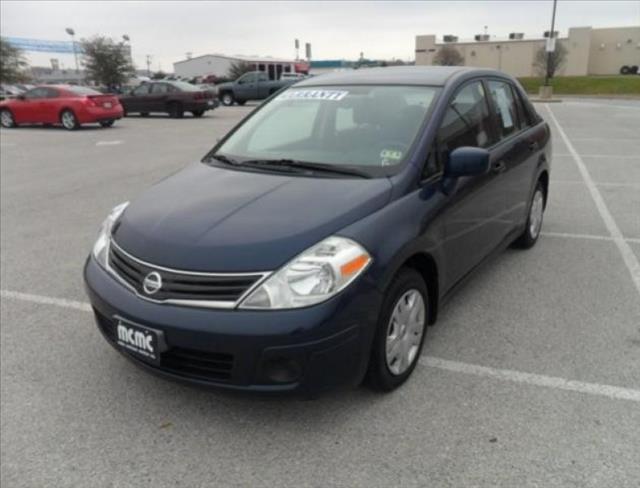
[[68, 120], [6, 118]]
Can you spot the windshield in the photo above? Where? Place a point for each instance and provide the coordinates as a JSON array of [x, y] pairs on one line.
[[365, 126]]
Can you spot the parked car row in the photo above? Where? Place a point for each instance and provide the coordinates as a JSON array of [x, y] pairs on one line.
[[12, 91], [71, 105]]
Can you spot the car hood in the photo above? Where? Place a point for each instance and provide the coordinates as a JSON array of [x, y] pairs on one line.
[[208, 218]]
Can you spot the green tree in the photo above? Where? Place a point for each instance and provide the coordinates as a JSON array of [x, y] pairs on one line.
[[238, 68], [448, 56], [557, 59], [158, 75], [107, 62], [12, 63]]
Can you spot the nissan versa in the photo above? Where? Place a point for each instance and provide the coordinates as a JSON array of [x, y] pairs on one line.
[[316, 241]]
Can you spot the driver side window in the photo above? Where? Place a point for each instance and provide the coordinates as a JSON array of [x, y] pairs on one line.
[[466, 122], [248, 78], [141, 90], [36, 93]]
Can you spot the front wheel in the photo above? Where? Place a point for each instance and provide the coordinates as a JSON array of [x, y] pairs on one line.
[[198, 113], [534, 219], [106, 123], [227, 99], [69, 120], [6, 119], [400, 332]]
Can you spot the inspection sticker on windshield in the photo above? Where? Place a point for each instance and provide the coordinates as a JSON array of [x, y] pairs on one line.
[[390, 156], [334, 95]]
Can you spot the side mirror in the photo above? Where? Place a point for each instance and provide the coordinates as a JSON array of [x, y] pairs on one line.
[[467, 161]]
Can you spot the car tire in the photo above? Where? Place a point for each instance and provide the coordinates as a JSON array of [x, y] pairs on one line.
[[69, 120], [175, 110], [625, 70], [396, 345], [227, 99], [107, 123], [144, 114], [6, 119], [198, 113], [535, 215]]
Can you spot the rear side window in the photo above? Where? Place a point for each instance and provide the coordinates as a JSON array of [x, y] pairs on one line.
[[466, 122], [505, 107], [159, 89], [52, 93]]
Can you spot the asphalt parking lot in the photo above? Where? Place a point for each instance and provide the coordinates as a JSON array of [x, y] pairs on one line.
[[530, 378]]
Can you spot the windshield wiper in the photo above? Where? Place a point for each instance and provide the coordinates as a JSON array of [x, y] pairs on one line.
[[223, 159], [295, 164]]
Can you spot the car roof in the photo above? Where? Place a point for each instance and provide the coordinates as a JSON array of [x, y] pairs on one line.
[[399, 75]]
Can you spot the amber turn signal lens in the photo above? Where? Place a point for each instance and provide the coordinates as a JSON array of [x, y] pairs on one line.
[[354, 265]]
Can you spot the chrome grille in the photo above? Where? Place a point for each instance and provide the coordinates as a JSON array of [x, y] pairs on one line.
[[185, 287]]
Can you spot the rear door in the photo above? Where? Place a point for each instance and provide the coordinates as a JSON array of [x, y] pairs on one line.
[[263, 86], [517, 149], [472, 224]]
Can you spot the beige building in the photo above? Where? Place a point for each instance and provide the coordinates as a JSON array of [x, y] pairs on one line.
[[590, 52]]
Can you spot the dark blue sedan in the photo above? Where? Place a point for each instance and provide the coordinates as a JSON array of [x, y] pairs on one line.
[[314, 244]]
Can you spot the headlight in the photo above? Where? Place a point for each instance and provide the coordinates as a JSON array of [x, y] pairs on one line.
[[101, 247], [313, 277]]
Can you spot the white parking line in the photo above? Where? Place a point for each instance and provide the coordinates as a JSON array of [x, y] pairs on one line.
[[108, 143], [577, 236], [587, 236], [630, 259], [58, 302], [615, 156], [598, 183], [614, 392]]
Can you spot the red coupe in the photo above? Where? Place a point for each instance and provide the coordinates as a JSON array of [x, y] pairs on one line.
[[68, 105]]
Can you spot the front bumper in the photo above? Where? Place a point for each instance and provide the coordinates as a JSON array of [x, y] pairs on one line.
[[319, 347]]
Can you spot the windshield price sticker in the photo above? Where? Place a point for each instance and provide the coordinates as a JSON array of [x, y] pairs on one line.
[[334, 95]]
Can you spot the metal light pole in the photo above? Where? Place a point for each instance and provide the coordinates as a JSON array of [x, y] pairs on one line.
[[551, 42], [72, 33], [149, 65]]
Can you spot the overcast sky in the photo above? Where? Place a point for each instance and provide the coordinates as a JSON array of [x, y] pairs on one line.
[[169, 29]]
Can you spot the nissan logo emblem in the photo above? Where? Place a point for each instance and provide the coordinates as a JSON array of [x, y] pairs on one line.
[[152, 283]]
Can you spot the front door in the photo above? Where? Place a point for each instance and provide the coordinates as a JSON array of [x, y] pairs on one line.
[[472, 224], [247, 87], [27, 107], [137, 101]]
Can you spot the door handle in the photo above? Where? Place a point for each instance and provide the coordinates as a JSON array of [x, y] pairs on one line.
[[499, 167], [533, 146]]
